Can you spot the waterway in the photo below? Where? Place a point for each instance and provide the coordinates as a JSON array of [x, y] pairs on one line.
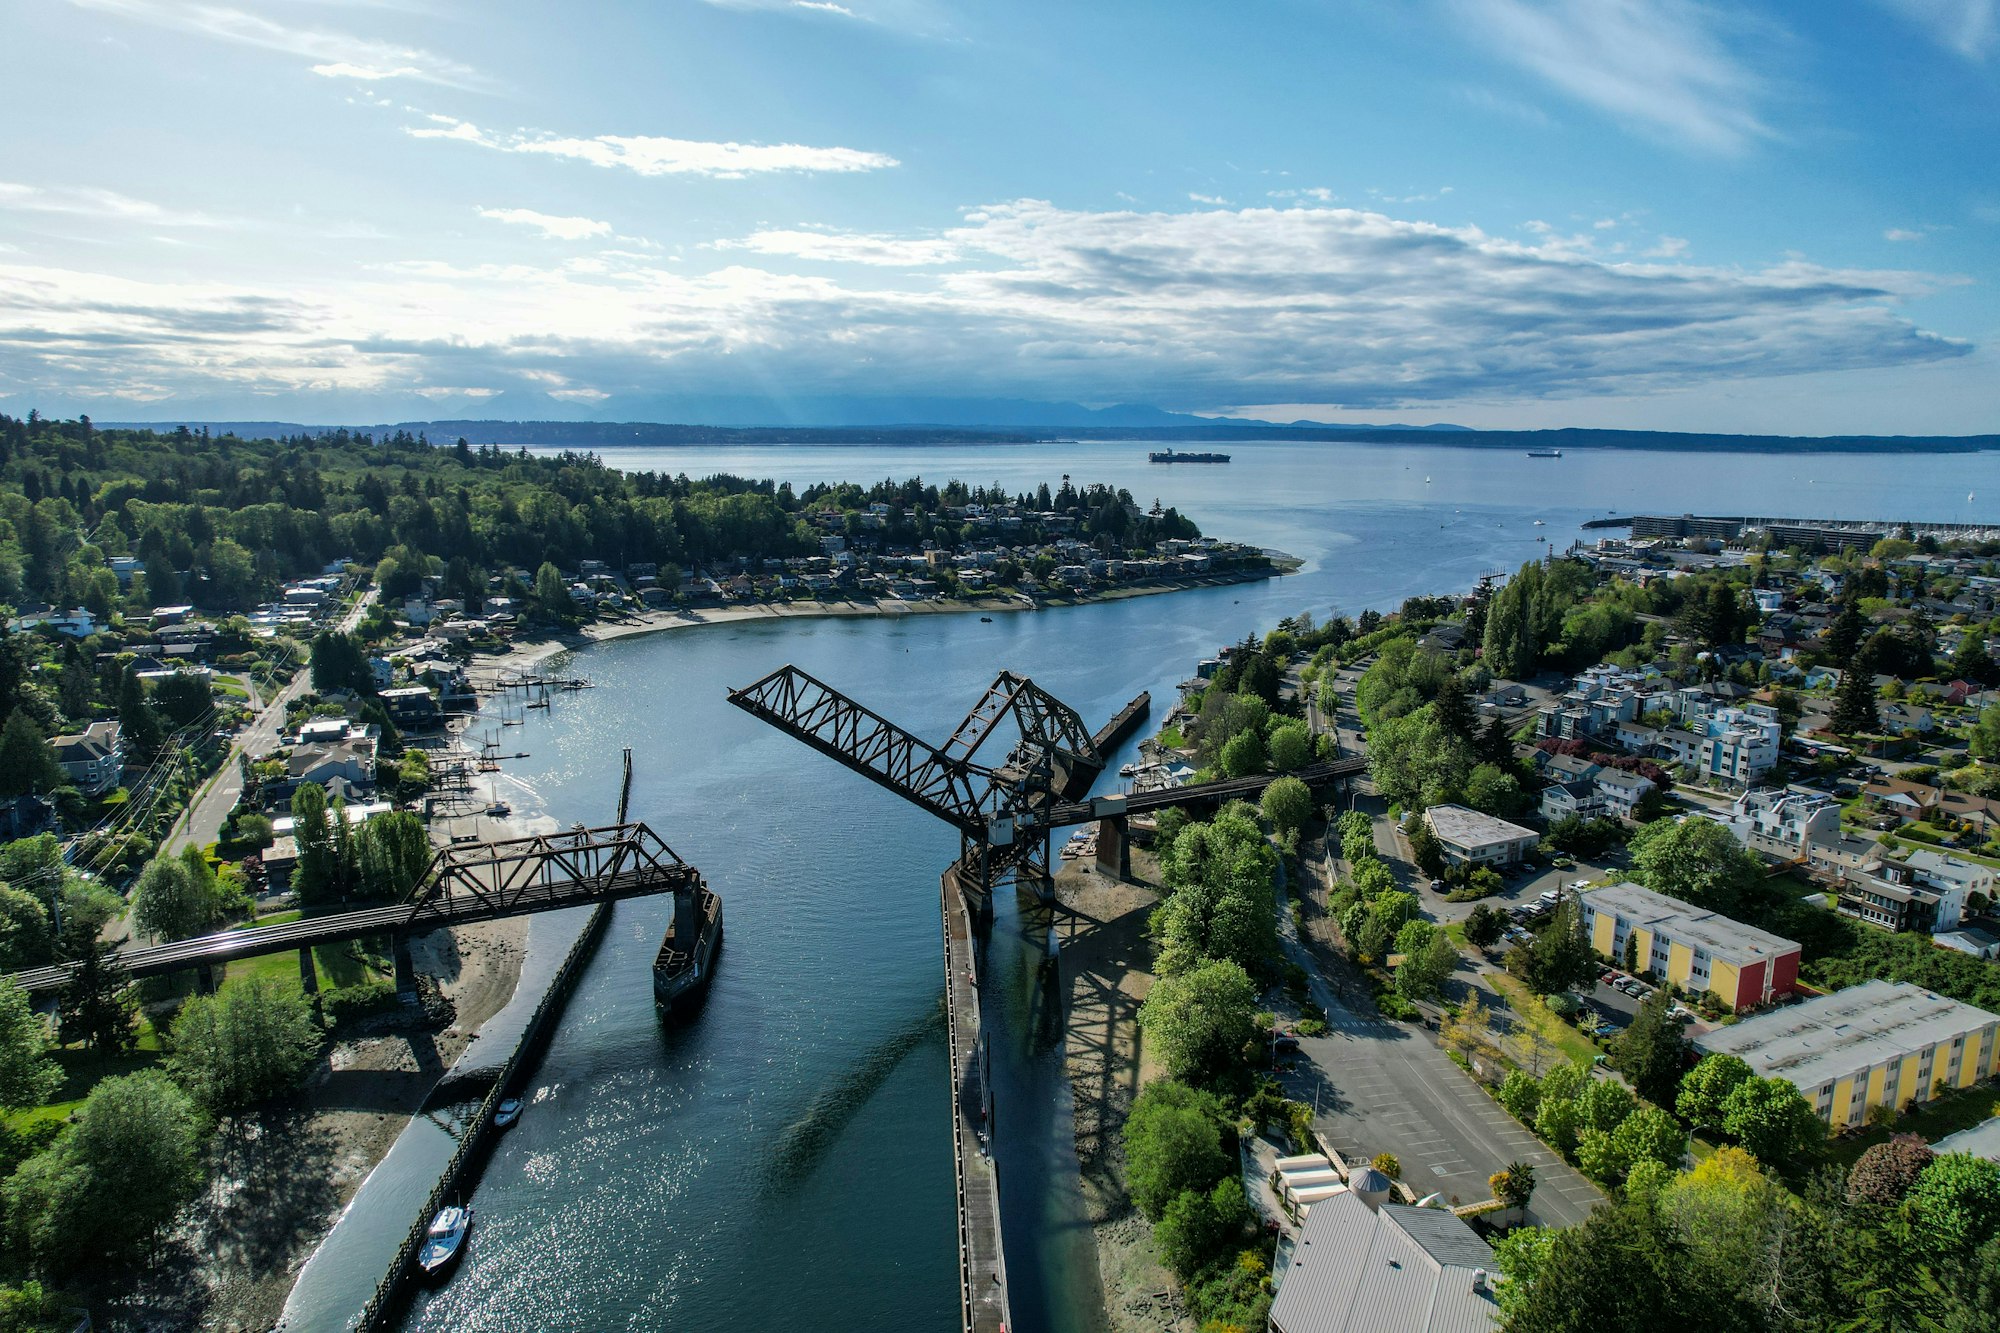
[[782, 1156]]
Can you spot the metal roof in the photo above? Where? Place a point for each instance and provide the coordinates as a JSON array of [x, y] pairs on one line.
[[1982, 1140], [1392, 1270], [1843, 1033], [1684, 923], [1463, 826]]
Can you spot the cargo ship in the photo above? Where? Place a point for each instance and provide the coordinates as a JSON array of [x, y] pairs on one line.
[[1169, 456], [1545, 453], [686, 961]]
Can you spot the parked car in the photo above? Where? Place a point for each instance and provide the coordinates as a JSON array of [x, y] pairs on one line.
[[1609, 978]]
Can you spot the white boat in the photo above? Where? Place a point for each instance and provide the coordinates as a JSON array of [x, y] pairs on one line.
[[445, 1241], [506, 1113], [1540, 524], [1128, 770]]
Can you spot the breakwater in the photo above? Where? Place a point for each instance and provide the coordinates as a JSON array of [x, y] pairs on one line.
[[982, 1265]]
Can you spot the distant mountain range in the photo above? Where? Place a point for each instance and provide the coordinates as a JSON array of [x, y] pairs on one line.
[[1077, 423]]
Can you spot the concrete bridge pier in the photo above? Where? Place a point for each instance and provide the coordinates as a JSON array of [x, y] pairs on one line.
[[406, 971], [308, 972], [1114, 836], [204, 980]]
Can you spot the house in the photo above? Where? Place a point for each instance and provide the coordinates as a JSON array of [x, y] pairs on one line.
[[1968, 939], [1567, 800], [1474, 839], [1950, 874], [1892, 896], [412, 707], [1568, 768], [1906, 720], [1738, 745], [93, 758], [1982, 1140], [1620, 792], [1881, 1043], [1693, 948], [1780, 823], [1636, 737], [1364, 1267], [1906, 800], [351, 758]]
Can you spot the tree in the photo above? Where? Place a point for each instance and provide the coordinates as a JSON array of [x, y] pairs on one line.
[[1196, 1228], [1620, 1272], [28, 1077], [1490, 789], [1291, 746], [1422, 974], [1884, 1174], [251, 1040], [1243, 755], [1202, 1020], [1288, 804], [1955, 1203], [113, 1180], [1556, 959], [1698, 861], [1173, 1143], [1706, 1087], [391, 853], [340, 663], [96, 1006], [1854, 709], [1416, 761], [27, 763], [1425, 849], [551, 595], [1650, 1134], [139, 724], [1484, 927], [1971, 661], [1984, 738], [1559, 1120], [1513, 1184], [319, 877], [1605, 1103], [1600, 1156], [173, 901], [1652, 1051], [182, 698], [25, 936], [1521, 1094], [1773, 1120]]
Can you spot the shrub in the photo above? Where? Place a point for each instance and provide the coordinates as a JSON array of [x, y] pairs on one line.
[[348, 1004], [1198, 1227], [1173, 1143], [1388, 1164]]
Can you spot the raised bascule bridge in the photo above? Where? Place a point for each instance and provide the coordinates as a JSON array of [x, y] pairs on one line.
[[463, 883], [1020, 766]]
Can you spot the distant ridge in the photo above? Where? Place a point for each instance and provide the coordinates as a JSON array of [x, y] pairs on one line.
[[617, 434]]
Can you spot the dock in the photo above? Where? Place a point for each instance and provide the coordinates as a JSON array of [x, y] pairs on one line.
[[982, 1267], [1120, 728]]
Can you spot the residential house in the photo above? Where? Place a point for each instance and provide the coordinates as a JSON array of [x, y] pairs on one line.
[[1951, 874], [351, 758], [1890, 894], [94, 758], [1577, 799], [1693, 948], [1469, 837], [1969, 939], [1367, 1267], [1881, 1043], [1907, 801], [1781, 823], [1906, 720], [1621, 792]]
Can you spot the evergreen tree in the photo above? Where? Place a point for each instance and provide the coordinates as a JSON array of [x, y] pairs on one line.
[[97, 1007], [138, 723], [1854, 711], [1846, 632], [317, 878], [27, 764]]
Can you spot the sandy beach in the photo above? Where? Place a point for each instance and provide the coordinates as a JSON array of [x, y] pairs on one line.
[[279, 1178], [1106, 962]]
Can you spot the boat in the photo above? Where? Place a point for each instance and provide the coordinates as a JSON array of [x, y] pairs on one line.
[[512, 721], [986, 620], [506, 1113], [1169, 455], [499, 810], [444, 1242], [1427, 481], [1127, 770], [1540, 524], [1545, 453]]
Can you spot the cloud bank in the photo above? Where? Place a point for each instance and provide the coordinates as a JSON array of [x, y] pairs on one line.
[[652, 155]]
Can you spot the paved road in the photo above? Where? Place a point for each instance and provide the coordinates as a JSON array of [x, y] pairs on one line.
[[202, 824]]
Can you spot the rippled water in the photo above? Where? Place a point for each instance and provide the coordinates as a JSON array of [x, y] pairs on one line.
[[781, 1158]]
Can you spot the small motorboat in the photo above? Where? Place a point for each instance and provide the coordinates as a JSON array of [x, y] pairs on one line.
[[499, 810], [506, 1113], [987, 620], [444, 1242]]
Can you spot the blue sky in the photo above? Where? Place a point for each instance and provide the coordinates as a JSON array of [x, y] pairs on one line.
[[1648, 213]]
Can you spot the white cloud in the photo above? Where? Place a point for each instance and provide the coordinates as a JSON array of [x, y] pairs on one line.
[[847, 248], [333, 54], [1669, 247], [1211, 199], [82, 201], [823, 7], [1969, 27], [1902, 234], [1662, 66], [1200, 309], [652, 155], [558, 228]]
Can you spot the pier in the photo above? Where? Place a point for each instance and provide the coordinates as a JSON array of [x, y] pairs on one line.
[[1833, 534]]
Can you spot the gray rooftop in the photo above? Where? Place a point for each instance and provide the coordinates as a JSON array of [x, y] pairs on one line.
[[1982, 1140], [1396, 1270], [1465, 827], [1850, 1030], [1684, 923]]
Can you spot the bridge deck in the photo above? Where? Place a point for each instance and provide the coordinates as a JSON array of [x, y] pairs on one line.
[[982, 1268], [1227, 789], [444, 910]]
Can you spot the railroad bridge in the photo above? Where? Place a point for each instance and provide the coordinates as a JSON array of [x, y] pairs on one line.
[[1004, 809], [463, 883]]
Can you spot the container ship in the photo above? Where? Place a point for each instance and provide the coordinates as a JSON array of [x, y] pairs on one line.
[[1169, 456], [1545, 453]]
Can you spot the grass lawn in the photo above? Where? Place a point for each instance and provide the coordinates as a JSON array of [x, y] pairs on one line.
[[338, 964], [1529, 1008], [1934, 1120], [83, 1070]]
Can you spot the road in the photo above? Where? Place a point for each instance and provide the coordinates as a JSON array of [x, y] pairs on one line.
[[1380, 1086], [202, 824]]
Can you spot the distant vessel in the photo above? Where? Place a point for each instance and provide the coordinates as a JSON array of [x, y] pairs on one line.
[[1540, 524], [1169, 456], [1545, 453]]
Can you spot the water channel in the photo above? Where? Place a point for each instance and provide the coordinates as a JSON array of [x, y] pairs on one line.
[[781, 1158]]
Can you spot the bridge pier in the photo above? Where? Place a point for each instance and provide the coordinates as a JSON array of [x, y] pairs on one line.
[[406, 970], [308, 973], [204, 980], [1114, 846]]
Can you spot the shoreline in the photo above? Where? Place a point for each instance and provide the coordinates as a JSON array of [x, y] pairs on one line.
[[524, 653], [1106, 961]]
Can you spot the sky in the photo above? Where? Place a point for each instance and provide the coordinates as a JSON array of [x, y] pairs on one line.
[[1660, 214]]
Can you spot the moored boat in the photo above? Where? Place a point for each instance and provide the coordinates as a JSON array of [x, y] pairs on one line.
[[445, 1241], [506, 1113]]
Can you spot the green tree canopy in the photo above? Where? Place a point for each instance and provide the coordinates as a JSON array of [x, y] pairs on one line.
[[27, 763], [1706, 1087], [1698, 861], [1202, 1020], [1291, 746], [1288, 804], [175, 901], [1652, 1051], [1773, 1120], [28, 1077], [251, 1040], [1173, 1143]]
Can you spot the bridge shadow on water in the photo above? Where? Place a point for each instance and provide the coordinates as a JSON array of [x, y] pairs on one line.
[[802, 1144]]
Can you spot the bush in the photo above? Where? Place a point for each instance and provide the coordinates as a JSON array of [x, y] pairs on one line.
[[1197, 1227], [1388, 1164], [1173, 1144], [348, 1004]]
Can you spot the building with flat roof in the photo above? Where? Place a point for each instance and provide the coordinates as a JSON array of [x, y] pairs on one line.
[[1693, 948], [1882, 1043], [1387, 1269], [1982, 1140], [1472, 838]]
